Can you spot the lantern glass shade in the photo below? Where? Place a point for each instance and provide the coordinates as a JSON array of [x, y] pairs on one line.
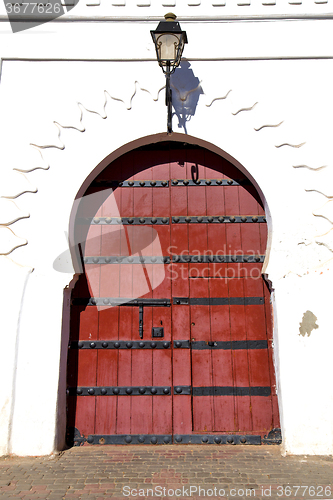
[[168, 45], [169, 41]]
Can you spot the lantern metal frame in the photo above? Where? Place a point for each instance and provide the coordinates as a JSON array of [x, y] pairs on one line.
[[169, 27]]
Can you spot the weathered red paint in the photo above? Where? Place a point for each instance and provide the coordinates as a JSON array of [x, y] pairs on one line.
[[174, 414]]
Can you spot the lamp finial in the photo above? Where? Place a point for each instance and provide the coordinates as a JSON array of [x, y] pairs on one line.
[[170, 17]]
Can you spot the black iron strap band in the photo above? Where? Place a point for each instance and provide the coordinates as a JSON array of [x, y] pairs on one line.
[[228, 345], [125, 221], [130, 183], [184, 390], [119, 344], [216, 439], [231, 439], [120, 301], [217, 259], [137, 221], [179, 259], [210, 182], [178, 344], [182, 344], [174, 182], [132, 259], [193, 301], [218, 301], [231, 391], [119, 391], [126, 439], [219, 219]]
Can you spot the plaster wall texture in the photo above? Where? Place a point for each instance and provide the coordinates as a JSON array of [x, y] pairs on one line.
[[71, 96]]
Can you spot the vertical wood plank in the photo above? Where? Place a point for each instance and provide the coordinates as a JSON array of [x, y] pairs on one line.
[[85, 414]]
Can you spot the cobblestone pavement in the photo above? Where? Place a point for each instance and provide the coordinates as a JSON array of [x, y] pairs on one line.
[[117, 472]]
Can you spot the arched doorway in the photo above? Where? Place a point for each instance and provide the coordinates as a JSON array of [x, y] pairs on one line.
[[171, 332]]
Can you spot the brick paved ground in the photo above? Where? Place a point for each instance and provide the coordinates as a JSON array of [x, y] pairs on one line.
[[101, 472]]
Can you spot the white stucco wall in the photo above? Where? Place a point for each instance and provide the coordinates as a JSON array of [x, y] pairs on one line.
[[76, 94]]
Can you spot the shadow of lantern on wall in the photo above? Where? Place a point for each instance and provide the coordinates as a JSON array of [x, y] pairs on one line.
[[187, 90]]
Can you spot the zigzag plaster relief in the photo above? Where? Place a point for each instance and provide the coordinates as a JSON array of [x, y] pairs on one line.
[[325, 210], [245, 109], [315, 169], [9, 240], [325, 240], [320, 192], [267, 126], [17, 184], [218, 99], [82, 109], [10, 212], [29, 161], [290, 145], [184, 95]]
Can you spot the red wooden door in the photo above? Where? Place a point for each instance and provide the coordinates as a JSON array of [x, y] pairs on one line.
[[171, 327]]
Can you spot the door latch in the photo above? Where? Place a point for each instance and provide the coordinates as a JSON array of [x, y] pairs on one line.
[[157, 332]]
